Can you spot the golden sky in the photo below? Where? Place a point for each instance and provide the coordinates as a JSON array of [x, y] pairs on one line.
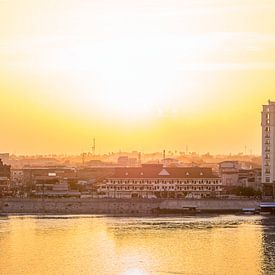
[[137, 75]]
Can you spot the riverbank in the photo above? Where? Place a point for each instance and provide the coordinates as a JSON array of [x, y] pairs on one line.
[[120, 206]]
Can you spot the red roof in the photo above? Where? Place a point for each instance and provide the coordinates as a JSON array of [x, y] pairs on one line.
[[158, 171]]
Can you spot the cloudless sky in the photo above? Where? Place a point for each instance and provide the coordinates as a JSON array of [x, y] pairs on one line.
[[137, 75]]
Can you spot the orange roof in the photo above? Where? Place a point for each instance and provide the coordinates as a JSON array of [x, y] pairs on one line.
[[158, 171]]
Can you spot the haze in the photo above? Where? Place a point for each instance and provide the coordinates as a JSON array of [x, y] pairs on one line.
[[137, 75]]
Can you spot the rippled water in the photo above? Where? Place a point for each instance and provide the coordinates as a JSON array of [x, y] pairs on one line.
[[111, 245]]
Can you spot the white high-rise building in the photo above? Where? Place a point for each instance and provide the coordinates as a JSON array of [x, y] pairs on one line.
[[268, 143]]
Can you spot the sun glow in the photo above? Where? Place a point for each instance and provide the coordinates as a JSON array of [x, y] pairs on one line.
[[170, 72]]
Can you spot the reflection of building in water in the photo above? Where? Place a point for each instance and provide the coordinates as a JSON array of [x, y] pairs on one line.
[[268, 245]]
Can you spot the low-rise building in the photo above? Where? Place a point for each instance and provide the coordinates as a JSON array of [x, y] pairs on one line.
[[127, 161], [53, 186], [17, 177], [4, 186], [233, 175], [229, 173], [30, 174], [157, 181], [5, 172], [251, 178]]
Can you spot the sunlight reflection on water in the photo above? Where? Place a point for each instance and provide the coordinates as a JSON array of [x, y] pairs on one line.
[[86, 244]]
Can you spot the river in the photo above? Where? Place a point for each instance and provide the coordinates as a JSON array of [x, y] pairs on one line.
[[89, 244]]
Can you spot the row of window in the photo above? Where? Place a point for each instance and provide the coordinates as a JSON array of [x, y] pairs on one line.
[[164, 188], [164, 182]]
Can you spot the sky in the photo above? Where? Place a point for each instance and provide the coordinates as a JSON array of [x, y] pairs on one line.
[[141, 75]]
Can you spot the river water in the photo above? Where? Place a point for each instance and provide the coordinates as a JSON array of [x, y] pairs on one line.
[[224, 244]]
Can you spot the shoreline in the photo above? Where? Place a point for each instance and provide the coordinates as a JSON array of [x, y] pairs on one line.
[[124, 207]]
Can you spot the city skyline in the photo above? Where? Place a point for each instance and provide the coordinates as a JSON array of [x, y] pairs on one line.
[[136, 76], [137, 137]]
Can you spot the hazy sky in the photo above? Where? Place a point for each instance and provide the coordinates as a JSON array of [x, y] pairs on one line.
[[135, 74]]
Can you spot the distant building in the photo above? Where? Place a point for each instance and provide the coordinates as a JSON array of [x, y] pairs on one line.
[[4, 186], [5, 157], [5, 173], [229, 172], [17, 177], [53, 186], [157, 181], [5, 170], [251, 178], [268, 148], [30, 174], [126, 161], [233, 175], [122, 161], [170, 162]]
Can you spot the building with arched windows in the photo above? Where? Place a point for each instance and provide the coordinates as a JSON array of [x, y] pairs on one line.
[[157, 181]]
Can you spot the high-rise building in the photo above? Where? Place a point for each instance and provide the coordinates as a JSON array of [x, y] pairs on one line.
[[268, 146]]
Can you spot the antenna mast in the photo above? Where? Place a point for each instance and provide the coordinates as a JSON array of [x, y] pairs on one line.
[[93, 148]]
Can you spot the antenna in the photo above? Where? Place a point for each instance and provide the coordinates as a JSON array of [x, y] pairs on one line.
[[83, 155], [139, 158], [93, 147]]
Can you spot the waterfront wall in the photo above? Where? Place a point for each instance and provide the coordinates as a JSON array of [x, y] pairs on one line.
[[118, 206], [78, 206]]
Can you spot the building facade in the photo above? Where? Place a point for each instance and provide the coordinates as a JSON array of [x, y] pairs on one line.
[[268, 147], [229, 173], [17, 177], [5, 173], [157, 181], [233, 175]]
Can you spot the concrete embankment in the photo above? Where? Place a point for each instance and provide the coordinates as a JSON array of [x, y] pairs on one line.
[[119, 206]]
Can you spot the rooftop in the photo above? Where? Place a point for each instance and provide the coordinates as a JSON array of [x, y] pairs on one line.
[[158, 171]]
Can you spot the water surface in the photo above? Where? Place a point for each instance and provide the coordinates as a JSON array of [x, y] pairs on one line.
[[112, 245]]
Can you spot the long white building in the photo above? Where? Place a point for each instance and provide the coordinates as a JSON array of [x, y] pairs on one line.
[[156, 181], [268, 145]]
